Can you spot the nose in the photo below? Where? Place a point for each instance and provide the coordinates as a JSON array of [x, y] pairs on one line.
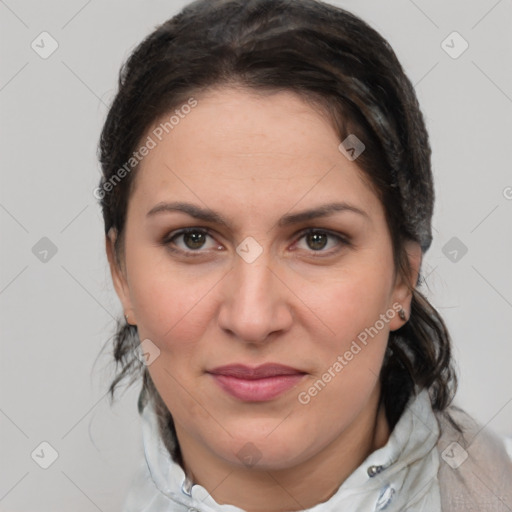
[[256, 302]]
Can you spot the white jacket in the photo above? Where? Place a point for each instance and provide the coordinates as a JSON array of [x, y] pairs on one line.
[[426, 466]]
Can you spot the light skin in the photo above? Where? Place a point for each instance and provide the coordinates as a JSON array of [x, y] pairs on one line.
[[254, 159]]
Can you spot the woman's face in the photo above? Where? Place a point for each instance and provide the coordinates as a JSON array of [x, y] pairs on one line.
[[249, 286]]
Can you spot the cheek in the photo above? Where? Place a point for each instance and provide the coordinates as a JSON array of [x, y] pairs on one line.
[[351, 358], [352, 350], [170, 303], [172, 311], [350, 304]]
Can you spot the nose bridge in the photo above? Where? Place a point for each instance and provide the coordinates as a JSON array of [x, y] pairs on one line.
[[256, 304]]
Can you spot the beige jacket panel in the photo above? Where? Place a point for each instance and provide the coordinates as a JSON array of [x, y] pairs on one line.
[[475, 473]]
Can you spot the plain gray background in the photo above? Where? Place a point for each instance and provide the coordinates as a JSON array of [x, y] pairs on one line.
[[57, 314]]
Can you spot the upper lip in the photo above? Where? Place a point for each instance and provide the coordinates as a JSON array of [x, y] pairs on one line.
[[258, 372]]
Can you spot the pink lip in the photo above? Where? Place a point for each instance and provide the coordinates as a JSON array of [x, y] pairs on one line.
[[258, 384]]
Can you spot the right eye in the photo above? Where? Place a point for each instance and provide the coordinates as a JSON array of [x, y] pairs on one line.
[[192, 241]]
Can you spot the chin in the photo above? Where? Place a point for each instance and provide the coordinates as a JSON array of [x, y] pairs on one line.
[[265, 452]]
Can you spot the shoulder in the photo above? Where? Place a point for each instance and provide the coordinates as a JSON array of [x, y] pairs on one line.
[[475, 471]]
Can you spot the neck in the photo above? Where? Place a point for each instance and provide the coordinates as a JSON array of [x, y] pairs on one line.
[[296, 488]]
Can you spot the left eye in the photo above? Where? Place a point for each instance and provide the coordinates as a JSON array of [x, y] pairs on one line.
[[317, 240]]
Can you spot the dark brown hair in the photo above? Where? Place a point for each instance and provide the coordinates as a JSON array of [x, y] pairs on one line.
[[339, 64]]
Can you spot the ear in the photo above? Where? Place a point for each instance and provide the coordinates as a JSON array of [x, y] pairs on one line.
[[119, 277], [402, 292]]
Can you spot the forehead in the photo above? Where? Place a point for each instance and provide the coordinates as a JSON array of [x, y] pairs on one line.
[[238, 148]]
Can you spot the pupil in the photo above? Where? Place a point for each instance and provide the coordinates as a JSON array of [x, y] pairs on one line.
[[196, 238], [315, 242]]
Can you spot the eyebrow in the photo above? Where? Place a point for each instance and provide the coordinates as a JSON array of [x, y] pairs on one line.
[[207, 215]]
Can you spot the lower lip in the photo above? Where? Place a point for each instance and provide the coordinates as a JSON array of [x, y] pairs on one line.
[[257, 390]]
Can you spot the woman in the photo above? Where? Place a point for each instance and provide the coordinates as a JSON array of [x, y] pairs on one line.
[[267, 196]]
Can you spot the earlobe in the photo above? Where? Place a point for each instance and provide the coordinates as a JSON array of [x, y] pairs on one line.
[[404, 286], [118, 276]]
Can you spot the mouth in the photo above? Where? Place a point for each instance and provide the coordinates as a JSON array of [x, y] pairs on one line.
[[256, 384]]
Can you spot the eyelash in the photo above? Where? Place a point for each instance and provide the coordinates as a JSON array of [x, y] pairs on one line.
[[169, 239]]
